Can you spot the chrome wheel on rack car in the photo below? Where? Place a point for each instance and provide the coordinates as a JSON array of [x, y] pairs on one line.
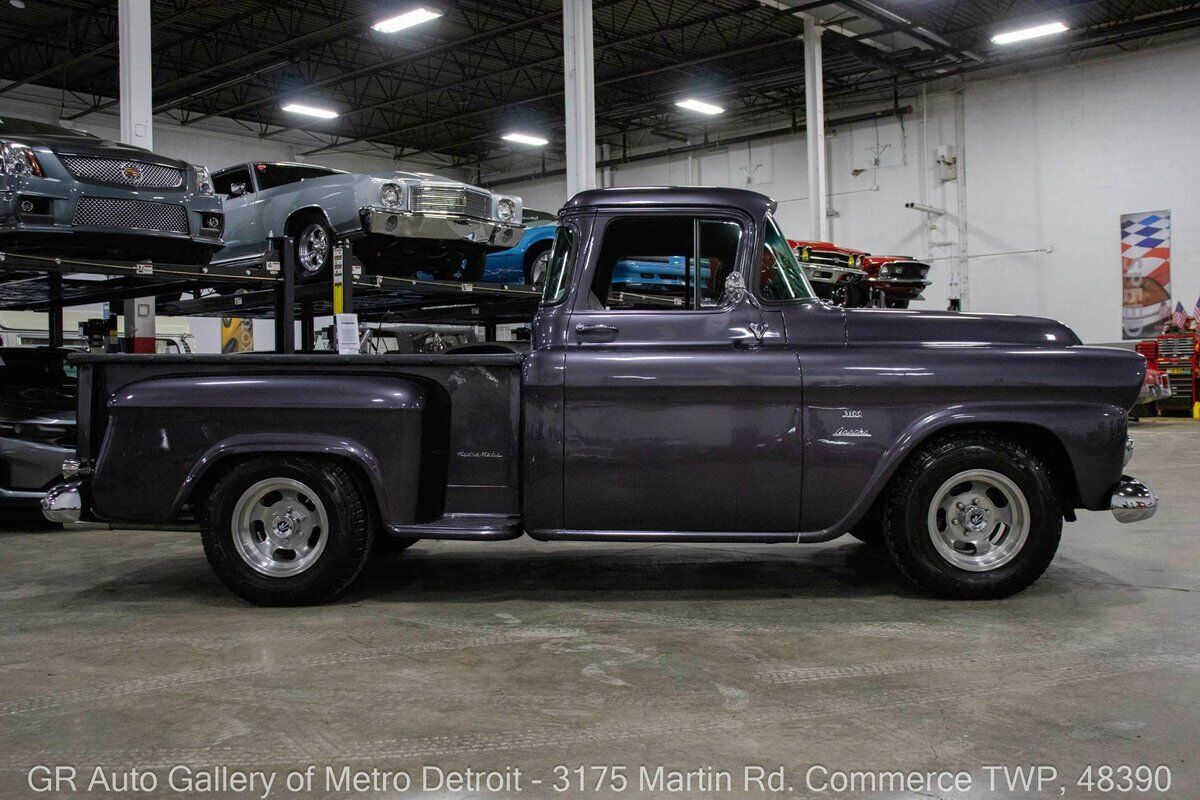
[[313, 248], [979, 520], [280, 527]]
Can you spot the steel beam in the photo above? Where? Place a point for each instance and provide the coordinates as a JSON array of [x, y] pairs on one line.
[[137, 128], [814, 117], [579, 79]]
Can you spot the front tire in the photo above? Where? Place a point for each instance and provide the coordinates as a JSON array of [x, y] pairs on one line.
[[287, 530], [313, 250], [972, 516]]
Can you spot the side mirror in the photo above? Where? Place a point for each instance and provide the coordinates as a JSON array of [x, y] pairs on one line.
[[736, 291], [237, 189]]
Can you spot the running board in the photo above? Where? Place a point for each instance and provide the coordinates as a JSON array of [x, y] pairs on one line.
[[463, 526]]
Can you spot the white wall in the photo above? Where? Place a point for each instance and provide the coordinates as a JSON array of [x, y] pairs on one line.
[[1052, 160]]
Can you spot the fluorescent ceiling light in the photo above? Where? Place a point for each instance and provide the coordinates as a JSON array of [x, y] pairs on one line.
[[700, 106], [1029, 33], [310, 111], [525, 138], [406, 20]]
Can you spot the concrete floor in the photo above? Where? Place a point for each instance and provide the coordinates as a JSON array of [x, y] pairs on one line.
[[122, 650]]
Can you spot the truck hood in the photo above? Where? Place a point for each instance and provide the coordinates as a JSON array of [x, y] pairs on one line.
[[935, 328]]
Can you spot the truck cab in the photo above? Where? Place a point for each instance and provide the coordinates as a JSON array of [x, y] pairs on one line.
[[730, 405]]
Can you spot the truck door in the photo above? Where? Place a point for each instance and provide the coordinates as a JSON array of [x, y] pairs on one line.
[[676, 417]]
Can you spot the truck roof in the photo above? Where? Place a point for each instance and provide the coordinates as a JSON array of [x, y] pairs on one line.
[[668, 196]]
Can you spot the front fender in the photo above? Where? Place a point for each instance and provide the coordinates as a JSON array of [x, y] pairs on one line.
[[1089, 437]]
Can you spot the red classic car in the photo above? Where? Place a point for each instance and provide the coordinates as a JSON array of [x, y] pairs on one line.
[[895, 280], [834, 272]]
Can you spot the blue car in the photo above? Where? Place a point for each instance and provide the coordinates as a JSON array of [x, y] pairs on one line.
[[651, 273], [526, 261]]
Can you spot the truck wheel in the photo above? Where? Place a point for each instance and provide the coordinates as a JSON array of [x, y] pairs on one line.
[[973, 517], [287, 530]]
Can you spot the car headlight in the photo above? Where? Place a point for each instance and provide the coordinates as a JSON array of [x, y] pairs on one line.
[[506, 209], [17, 159], [391, 195], [805, 254], [204, 184], [885, 271]]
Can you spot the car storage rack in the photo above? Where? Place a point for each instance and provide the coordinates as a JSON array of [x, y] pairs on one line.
[[263, 288]]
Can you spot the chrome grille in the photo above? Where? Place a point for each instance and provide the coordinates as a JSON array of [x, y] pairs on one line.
[[104, 212], [907, 269], [451, 200], [123, 172], [825, 258], [1176, 347]]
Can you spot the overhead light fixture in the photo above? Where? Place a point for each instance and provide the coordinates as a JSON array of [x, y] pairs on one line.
[[408, 19], [525, 138], [310, 111], [700, 107], [1021, 35]]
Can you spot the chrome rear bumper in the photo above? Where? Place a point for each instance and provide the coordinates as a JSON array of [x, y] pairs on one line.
[[63, 504], [1133, 501]]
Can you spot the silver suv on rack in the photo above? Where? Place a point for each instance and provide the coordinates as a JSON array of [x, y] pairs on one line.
[[400, 223], [65, 192]]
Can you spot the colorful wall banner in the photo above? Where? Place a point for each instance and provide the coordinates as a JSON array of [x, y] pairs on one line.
[[1146, 273]]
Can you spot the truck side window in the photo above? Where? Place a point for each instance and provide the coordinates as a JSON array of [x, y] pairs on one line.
[[650, 263], [558, 271]]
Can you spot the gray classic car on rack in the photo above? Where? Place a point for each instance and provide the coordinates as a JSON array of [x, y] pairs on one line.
[[732, 406], [398, 222], [66, 192]]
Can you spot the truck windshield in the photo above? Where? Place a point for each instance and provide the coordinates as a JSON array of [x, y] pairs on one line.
[[558, 271], [780, 275]]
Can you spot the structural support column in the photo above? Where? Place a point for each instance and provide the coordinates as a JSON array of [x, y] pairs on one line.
[[814, 130], [133, 20], [580, 94]]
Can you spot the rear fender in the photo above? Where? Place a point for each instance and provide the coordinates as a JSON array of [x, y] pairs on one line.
[[236, 448], [164, 436]]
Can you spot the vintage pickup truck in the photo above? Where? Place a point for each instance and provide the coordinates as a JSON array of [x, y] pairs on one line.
[[735, 409]]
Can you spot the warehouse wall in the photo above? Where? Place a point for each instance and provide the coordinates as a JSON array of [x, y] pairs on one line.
[[1052, 160]]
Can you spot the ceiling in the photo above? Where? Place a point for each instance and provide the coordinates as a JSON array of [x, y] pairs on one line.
[[443, 92]]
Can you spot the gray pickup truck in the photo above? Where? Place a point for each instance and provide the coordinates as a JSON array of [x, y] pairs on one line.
[[728, 406]]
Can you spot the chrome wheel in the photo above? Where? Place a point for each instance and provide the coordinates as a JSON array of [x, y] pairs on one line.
[[537, 270], [313, 248], [979, 520], [280, 527]]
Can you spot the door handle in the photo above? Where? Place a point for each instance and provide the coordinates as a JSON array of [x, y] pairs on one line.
[[595, 331]]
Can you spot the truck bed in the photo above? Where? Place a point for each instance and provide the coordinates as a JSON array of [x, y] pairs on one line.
[[446, 455]]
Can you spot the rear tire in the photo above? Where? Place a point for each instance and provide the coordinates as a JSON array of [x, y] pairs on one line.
[[323, 519], [972, 516]]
